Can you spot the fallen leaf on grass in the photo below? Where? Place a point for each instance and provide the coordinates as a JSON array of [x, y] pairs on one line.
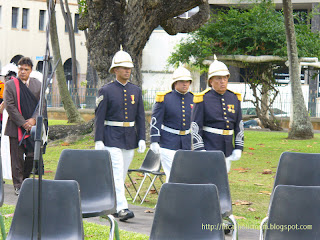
[[257, 217], [241, 202], [152, 191], [48, 171], [309, 146], [65, 144], [250, 153], [140, 175], [251, 209], [128, 184], [267, 171], [251, 148], [258, 184], [243, 171], [8, 215], [242, 180], [268, 162], [148, 211], [314, 142], [240, 169], [265, 192], [238, 217]]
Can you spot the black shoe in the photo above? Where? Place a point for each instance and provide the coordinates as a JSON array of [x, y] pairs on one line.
[[125, 214], [116, 215], [17, 191]]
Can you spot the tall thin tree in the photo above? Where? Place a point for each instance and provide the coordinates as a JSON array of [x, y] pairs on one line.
[[72, 112], [300, 124]]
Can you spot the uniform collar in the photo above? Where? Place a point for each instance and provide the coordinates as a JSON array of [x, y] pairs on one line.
[[121, 83], [180, 92], [217, 92]]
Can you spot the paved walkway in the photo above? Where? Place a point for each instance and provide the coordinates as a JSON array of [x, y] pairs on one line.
[[142, 222]]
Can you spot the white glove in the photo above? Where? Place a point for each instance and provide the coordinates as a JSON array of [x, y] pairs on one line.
[[99, 145], [142, 146], [236, 154], [155, 147]]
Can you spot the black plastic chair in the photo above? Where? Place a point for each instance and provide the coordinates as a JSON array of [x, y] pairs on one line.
[[151, 165], [202, 167], [3, 231], [92, 169], [297, 169], [294, 213], [187, 211], [60, 216]]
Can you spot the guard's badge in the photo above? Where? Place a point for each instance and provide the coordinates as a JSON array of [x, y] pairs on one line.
[[98, 100], [191, 106], [132, 99], [231, 108]]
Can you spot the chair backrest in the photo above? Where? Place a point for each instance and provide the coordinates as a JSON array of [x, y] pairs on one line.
[[1, 184], [92, 169], [60, 211], [298, 169], [201, 167], [187, 211], [294, 213], [151, 162]]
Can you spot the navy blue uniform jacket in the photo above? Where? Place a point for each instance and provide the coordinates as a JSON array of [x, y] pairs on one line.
[[214, 110], [122, 104], [172, 109]]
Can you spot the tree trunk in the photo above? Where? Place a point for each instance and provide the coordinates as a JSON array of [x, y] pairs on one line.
[[301, 127], [71, 111], [130, 23], [68, 20]]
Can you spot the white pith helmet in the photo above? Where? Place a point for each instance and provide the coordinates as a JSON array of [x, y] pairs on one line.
[[9, 67], [217, 68], [121, 59], [181, 73]]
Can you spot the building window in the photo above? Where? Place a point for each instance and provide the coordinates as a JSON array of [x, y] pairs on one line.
[[25, 16], [42, 18], [76, 19], [14, 23]]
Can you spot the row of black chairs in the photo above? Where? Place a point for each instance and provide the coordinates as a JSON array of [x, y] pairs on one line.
[[294, 204], [196, 196], [83, 187]]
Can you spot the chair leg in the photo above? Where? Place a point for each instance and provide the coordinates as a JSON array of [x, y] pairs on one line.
[[263, 222], [151, 184], [133, 186], [114, 230], [144, 178], [235, 227], [128, 190], [3, 230]]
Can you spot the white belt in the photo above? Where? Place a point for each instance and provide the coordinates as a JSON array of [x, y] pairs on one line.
[[217, 131], [119, 124], [178, 132]]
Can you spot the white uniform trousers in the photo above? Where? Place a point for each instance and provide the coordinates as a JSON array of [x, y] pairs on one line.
[[121, 159], [166, 156]]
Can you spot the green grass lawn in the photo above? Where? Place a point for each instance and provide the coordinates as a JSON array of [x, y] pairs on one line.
[[250, 187]]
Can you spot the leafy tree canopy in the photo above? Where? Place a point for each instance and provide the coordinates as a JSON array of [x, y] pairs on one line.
[[256, 31]]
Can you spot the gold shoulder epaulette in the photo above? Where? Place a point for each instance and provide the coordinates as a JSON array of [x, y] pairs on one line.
[[198, 97], [191, 93], [160, 96], [237, 94]]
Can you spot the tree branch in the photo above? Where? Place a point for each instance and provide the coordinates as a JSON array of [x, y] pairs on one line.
[[181, 25]]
